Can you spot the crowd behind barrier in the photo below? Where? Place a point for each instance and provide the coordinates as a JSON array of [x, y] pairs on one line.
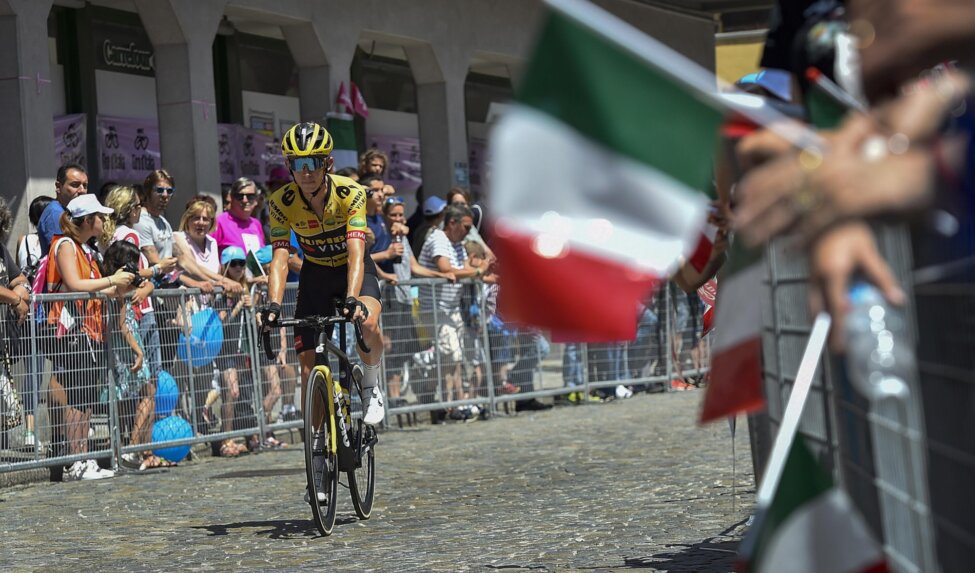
[[216, 383]]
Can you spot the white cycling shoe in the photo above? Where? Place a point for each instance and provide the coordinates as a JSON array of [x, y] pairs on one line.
[[374, 409]]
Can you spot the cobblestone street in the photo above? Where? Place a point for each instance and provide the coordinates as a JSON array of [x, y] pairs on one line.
[[626, 485]]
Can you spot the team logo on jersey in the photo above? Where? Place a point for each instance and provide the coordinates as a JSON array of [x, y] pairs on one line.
[[342, 192], [313, 224], [288, 197], [279, 232], [330, 222], [357, 222]]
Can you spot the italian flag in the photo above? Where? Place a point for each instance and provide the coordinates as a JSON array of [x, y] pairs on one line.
[[345, 153], [809, 526], [736, 365], [599, 170]]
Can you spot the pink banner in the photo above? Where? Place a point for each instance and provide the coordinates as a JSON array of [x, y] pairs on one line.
[[403, 171], [255, 153], [128, 148], [477, 166], [227, 142], [70, 141]]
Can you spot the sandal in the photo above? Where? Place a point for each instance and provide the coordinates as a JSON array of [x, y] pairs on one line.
[[152, 462], [272, 443], [229, 449]]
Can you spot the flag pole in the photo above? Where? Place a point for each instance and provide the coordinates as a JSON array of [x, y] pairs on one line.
[[702, 83], [793, 411]]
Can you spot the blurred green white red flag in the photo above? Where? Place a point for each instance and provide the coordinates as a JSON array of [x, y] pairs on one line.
[[600, 171], [811, 526]]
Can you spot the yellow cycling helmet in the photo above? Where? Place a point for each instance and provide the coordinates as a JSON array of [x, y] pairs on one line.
[[306, 139]]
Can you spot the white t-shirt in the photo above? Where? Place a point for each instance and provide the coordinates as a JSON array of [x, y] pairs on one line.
[[156, 232], [438, 245]]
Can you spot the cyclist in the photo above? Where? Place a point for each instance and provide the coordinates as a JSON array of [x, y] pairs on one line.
[[328, 216]]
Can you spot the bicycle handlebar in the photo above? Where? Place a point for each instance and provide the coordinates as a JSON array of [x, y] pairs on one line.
[[316, 323]]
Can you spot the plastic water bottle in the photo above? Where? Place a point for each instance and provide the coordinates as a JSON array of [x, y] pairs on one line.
[[880, 359]]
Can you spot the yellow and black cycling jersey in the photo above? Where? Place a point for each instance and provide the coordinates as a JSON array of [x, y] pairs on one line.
[[321, 239]]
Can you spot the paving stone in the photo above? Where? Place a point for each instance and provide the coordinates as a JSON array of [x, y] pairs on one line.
[[631, 484]]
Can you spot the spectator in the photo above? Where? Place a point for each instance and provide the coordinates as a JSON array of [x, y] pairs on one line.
[[374, 162], [232, 361], [14, 295], [71, 181], [127, 209], [415, 220], [433, 209], [104, 190], [29, 254], [79, 354], [443, 251], [349, 172], [278, 177], [134, 382], [398, 311], [29, 250], [384, 250], [237, 227], [458, 196]]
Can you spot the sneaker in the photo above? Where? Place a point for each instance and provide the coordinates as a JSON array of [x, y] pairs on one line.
[[74, 471], [132, 459], [622, 392], [375, 407], [93, 471]]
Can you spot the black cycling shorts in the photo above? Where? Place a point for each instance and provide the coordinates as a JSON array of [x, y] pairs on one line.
[[318, 288]]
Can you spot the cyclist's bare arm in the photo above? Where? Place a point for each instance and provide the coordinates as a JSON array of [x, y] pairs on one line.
[[277, 275], [356, 264]]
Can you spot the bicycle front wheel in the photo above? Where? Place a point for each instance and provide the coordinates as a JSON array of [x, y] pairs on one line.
[[321, 461], [362, 480]]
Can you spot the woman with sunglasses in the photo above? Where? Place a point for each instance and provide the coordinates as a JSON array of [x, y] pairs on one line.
[[327, 214], [238, 227]]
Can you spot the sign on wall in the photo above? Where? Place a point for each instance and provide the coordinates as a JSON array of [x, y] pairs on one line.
[[403, 171], [70, 141], [227, 143], [128, 148], [122, 48]]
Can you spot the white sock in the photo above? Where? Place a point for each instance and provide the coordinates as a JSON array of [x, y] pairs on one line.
[[370, 376]]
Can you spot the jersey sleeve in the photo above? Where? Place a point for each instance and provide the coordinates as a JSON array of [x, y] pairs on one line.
[[355, 206], [280, 227]]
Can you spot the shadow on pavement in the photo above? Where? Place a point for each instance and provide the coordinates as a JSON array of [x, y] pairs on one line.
[[273, 529], [708, 556], [260, 473]]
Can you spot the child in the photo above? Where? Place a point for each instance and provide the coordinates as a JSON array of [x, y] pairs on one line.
[[134, 386]]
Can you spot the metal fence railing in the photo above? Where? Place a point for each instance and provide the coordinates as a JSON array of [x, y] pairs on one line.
[[878, 450], [208, 381]]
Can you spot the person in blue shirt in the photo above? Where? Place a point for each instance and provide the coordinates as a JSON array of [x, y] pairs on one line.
[[71, 181]]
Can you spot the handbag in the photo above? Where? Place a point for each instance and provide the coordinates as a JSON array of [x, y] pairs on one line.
[[11, 409]]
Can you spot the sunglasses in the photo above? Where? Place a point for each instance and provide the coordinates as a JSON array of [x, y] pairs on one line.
[[236, 264], [309, 163], [245, 197], [393, 201], [167, 190]]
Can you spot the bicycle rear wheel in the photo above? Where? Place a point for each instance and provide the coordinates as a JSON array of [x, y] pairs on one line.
[[321, 464], [362, 480]]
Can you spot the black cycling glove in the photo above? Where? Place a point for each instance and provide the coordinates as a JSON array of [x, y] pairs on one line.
[[350, 306], [272, 308]]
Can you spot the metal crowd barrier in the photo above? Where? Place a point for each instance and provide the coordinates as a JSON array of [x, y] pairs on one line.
[[877, 451], [435, 361]]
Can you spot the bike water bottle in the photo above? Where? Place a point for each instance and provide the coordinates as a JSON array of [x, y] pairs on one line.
[[880, 359]]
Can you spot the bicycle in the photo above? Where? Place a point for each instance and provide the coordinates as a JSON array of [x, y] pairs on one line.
[[340, 446]]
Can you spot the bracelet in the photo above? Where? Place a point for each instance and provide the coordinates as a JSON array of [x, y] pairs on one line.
[[110, 283], [156, 270]]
